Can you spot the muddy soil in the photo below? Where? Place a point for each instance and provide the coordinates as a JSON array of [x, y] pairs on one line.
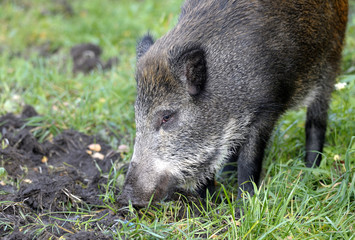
[[47, 182]]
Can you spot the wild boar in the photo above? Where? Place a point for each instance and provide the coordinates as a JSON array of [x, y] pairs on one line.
[[211, 90]]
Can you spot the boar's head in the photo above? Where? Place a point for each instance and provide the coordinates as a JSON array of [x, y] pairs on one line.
[[183, 132]]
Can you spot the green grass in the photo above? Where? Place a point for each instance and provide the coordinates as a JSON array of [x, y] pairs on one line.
[[293, 202]]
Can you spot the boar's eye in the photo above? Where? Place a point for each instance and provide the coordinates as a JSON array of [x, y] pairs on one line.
[[166, 118]]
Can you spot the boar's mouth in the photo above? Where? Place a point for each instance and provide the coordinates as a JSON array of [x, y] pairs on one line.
[[124, 200], [142, 196], [175, 195]]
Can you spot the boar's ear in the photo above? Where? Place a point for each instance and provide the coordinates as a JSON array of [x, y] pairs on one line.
[[192, 69], [143, 45]]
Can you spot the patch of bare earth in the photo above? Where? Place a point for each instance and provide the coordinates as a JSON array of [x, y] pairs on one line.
[[48, 182]]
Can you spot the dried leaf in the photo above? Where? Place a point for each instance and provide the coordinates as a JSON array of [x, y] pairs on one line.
[[98, 156], [27, 180], [123, 148], [44, 159], [95, 147]]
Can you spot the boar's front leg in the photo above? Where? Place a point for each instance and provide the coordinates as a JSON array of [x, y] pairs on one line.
[[251, 156], [209, 187]]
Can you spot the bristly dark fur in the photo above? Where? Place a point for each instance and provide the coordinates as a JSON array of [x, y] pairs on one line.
[[212, 89]]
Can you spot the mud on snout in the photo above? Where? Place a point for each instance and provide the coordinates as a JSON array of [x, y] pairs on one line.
[[147, 183]]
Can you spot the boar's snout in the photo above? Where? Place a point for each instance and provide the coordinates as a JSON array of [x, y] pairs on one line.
[[144, 184], [128, 195]]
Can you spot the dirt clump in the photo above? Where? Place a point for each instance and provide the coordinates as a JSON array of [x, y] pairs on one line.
[[48, 181], [86, 57]]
